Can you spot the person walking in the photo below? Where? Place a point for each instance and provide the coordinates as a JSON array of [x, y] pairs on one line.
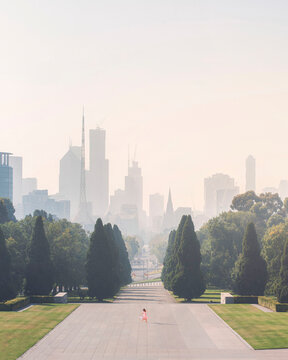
[[144, 315]]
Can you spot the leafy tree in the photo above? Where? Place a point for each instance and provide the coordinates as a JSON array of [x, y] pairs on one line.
[[123, 266], [245, 202], [132, 246], [99, 265], [39, 271], [273, 244], [158, 246], [221, 244], [3, 212], [282, 295], [250, 268], [7, 291], [188, 281], [69, 245], [43, 213]]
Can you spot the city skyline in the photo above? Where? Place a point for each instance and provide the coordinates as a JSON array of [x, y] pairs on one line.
[[197, 87]]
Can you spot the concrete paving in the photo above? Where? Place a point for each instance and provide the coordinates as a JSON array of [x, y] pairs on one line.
[[174, 331]]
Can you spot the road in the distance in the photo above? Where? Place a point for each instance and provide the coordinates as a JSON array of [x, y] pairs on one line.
[[174, 331]]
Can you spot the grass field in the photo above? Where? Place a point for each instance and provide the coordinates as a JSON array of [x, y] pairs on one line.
[[261, 330], [20, 331], [210, 296]]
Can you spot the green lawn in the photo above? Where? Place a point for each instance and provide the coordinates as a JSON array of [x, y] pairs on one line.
[[20, 331], [261, 330]]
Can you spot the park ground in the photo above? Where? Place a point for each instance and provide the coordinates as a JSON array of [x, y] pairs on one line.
[[115, 331]]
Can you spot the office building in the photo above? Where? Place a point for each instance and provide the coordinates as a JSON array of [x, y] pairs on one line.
[[39, 200], [156, 212], [16, 162], [250, 174], [29, 185], [98, 175], [219, 191], [69, 178], [6, 176]]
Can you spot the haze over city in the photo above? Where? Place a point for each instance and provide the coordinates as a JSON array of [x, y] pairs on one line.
[[195, 86]]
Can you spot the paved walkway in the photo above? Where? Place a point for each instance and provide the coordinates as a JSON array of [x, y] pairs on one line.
[[174, 331]]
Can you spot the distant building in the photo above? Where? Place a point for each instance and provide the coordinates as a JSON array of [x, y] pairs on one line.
[[28, 185], [98, 175], [6, 176], [156, 212], [283, 189], [270, 189], [69, 177], [250, 174], [39, 200], [16, 164], [219, 191], [179, 212], [134, 186], [116, 201], [169, 216]]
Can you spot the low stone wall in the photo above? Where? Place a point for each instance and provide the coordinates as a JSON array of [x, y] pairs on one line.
[[227, 298], [61, 298]]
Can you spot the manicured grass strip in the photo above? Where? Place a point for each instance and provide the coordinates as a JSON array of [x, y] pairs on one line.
[[261, 330], [20, 331]]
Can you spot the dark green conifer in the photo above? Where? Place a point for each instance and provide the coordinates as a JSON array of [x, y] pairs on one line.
[[168, 254], [99, 265], [188, 281], [115, 278], [6, 285], [39, 271], [124, 266], [250, 269], [173, 258], [282, 295]]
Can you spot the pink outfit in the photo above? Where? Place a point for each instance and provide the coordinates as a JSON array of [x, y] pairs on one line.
[[144, 315]]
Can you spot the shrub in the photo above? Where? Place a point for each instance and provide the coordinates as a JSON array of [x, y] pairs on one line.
[[245, 299], [14, 304], [41, 299]]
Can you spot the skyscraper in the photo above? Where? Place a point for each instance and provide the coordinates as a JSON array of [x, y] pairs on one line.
[[156, 211], [250, 174], [69, 178], [219, 191], [16, 164], [83, 215], [6, 176], [98, 176], [134, 186]]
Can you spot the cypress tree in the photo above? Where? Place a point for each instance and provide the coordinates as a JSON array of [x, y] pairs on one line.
[[282, 295], [115, 278], [172, 262], [99, 265], [188, 281], [167, 257], [124, 266], [39, 270], [250, 268], [6, 285]]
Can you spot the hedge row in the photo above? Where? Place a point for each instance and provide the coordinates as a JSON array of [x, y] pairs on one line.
[[15, 304], [245, 299], [39, 299], [272, 304]]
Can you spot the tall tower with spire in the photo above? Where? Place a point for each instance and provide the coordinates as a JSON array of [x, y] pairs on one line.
[[169, 216], [83, 216]]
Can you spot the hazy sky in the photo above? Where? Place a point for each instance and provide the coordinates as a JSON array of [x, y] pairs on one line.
[[197, 85]]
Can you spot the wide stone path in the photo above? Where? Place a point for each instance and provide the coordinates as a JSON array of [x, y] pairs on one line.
[[174, 331]]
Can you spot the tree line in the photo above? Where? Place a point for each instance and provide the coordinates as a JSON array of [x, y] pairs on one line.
[[245, 249], [39, 253]]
